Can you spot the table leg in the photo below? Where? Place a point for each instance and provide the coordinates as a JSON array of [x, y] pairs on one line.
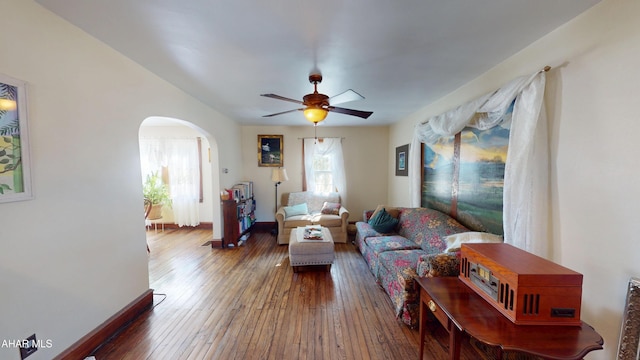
[[423, 326], [455, 337]]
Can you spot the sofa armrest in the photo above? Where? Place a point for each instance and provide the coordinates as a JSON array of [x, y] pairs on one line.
[[435, 265], [280, 214], [344, 216], [366, 215]]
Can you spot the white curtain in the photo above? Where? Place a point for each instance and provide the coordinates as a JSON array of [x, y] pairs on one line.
[[331, 147], [526, 171], [181, 158]]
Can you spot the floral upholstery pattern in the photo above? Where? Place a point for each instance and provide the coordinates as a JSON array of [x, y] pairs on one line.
[[397, 260], [428, 228], [381, 244], [433, 265]]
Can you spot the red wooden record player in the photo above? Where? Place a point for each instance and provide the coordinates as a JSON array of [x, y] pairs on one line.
[[525, 288]]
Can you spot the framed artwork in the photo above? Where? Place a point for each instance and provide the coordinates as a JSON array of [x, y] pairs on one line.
[[270, 150], [463, 176], [15, 175], [628, 348], [402, 157]]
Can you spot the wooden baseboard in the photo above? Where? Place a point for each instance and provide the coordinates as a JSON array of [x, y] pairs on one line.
[[265, 226], [216, 243], [205, 225], [83, 347]]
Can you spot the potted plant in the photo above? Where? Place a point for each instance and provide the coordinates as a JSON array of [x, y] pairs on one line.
[[158, 193]]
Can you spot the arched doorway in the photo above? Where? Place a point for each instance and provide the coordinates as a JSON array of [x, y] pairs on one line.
[[207, 211]]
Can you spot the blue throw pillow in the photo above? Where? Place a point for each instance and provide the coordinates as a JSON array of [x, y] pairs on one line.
[[382, 222], [300, 209]]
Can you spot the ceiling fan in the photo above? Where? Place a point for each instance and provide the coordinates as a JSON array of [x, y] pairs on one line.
[[318, 105]]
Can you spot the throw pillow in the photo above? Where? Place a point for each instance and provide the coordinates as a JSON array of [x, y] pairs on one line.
[[455, 241], [330, 208], [382, 222], [394, 212], [300, 209]]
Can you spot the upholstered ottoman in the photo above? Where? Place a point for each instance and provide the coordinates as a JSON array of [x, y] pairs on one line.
[[304, 252]]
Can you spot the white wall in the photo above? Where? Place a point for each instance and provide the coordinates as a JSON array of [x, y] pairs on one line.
[[366, 162], [75, 254], [591, 97]]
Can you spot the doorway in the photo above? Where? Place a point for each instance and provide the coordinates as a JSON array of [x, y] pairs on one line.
[[162, 154]]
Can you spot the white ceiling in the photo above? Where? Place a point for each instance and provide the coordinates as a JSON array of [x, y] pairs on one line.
[[400, 55]]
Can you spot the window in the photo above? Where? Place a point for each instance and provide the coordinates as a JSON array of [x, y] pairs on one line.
[[322, 173], [324, 166]]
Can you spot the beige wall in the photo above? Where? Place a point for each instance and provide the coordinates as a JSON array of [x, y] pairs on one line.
[[366, 162], [591, 97], [75, 255]]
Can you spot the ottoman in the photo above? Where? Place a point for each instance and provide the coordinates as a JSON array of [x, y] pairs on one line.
[[304, 252]]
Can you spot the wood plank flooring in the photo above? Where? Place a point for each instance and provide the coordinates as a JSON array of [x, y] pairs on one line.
[[247, 303]]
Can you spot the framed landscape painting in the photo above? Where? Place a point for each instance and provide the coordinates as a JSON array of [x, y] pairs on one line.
[[437, 175], [15, 176], [270, 150], [463, 176]]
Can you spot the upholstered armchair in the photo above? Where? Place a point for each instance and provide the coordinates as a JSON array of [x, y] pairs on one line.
[[307, 208]]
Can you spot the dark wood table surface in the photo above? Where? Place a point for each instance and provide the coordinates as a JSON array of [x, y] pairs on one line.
[[461, 311]]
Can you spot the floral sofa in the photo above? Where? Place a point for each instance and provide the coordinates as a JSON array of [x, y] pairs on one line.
[[415, 248], [317, 209]]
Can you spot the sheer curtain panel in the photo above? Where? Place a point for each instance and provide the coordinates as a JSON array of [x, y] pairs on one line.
[[182, 160], [332, 149], [526, 171]]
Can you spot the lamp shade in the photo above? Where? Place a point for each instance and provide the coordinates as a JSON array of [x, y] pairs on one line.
[[315, 114], [278, 175]]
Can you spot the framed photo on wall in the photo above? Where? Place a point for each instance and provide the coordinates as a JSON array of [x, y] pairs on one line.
[[270, 150], [402, 160], [15, 175]]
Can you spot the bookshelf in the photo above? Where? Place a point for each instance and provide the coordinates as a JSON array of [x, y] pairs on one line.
[[238, 213]]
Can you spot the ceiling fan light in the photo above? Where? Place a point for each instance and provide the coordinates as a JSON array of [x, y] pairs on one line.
[[315, 114]]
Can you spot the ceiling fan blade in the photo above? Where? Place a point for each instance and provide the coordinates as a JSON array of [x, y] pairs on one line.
[[344, 97], [283, 112], [358, 113], [278, 97]]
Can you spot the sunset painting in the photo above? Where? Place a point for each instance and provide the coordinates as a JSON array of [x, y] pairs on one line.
[[481, 165]]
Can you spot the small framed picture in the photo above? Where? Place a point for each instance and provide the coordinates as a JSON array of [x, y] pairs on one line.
[[402, 158], [270, 150], [15, 165]]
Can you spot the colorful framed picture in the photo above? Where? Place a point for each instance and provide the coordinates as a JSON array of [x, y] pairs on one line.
[[15, 174], [402, 158], [463, 176], [270, 150]]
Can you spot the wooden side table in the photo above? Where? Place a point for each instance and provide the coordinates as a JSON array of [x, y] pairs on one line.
[[461, 311]]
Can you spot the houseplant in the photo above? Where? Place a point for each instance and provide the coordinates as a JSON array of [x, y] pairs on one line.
[[158, 193]]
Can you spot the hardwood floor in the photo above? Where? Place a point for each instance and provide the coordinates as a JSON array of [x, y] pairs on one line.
[[247, 303]]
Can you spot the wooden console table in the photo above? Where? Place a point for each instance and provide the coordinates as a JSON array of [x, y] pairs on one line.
[[461, 311]]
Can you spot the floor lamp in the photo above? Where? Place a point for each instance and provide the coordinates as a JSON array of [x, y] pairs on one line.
[[278, 176]]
